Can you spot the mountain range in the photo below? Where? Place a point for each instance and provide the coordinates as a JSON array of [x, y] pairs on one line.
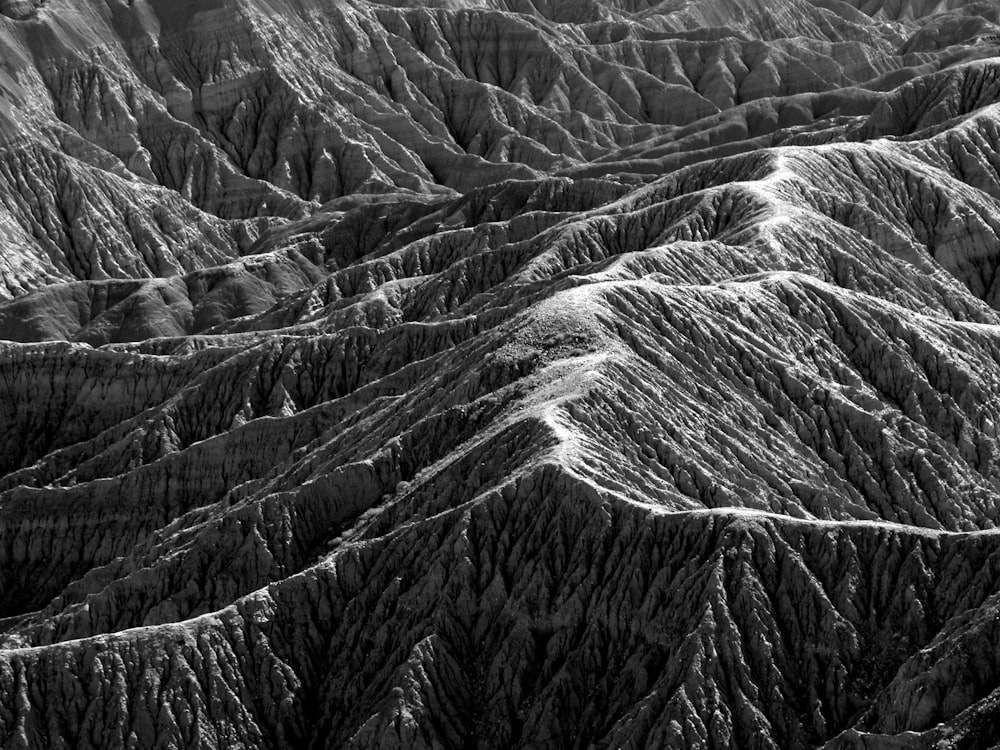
[[499, 374]]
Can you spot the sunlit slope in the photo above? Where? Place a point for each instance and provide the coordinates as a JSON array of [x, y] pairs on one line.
[[501, 374]]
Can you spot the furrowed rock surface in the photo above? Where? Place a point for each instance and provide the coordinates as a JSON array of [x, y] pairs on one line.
[[501, 374]]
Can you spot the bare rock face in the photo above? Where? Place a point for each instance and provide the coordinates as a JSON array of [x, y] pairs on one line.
[[501, 374], [20, 9]]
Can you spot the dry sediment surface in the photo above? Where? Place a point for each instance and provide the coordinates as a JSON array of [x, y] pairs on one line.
[[501, 374]]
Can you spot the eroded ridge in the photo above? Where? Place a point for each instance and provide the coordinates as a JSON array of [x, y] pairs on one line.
[[499, 374]]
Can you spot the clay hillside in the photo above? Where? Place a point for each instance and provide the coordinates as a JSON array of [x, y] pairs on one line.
[[499, 374]]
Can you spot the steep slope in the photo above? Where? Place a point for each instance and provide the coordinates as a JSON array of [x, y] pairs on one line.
[[499, 374]]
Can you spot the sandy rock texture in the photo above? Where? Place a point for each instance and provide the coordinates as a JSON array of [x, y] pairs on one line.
[[499, 374]]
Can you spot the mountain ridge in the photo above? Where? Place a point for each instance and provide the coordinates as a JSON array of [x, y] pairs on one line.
[[500, 374]]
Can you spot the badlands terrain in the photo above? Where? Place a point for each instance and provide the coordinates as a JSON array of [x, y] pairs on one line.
[[499, 374]]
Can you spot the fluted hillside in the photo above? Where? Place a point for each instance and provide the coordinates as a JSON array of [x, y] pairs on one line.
[[499, 374]]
